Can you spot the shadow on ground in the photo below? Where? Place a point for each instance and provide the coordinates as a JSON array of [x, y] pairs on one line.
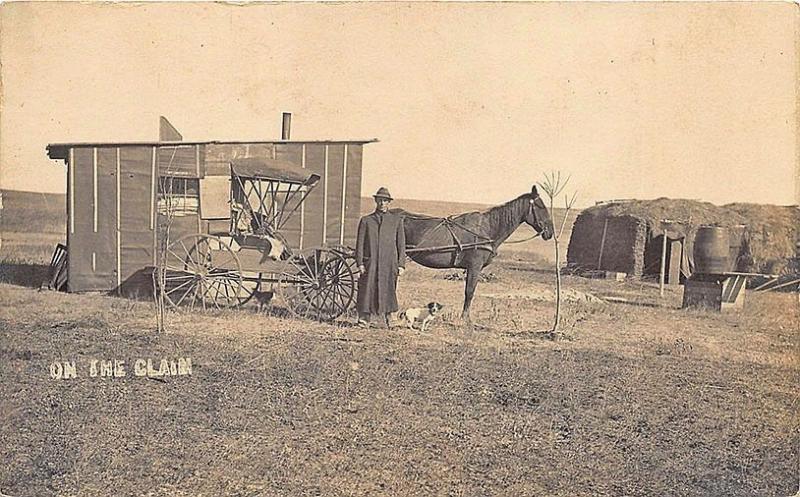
[[28, 275]]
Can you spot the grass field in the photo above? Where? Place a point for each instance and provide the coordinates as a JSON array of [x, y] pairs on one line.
[[633, 399], [31, 225], [33, 212]]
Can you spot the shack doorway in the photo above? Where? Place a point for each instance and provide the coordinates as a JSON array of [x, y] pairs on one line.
[[674, 255]]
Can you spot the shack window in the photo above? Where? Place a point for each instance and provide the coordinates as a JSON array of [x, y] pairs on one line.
[[178, 196]]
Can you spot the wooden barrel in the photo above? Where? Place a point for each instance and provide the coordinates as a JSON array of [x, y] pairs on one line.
[[711, 250]]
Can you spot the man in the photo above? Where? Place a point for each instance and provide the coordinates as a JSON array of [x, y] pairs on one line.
[[381, 258]]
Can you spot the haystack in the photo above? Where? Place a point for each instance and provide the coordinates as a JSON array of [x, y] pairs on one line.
[[764, 238]]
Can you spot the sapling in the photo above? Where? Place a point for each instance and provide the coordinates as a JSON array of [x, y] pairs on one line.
[[553, 186], [165, 217]]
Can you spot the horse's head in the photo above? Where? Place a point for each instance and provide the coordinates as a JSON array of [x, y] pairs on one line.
[[538, 216]]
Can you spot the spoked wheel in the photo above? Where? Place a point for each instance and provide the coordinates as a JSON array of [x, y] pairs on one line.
[[349, 256], [202, 271], [318, 284]]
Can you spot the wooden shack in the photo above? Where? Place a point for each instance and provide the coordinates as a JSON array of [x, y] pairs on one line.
[[115, 192]]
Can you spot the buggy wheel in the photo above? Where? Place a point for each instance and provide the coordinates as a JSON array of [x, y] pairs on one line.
[[349, 255], [317, 284], [202, 271]]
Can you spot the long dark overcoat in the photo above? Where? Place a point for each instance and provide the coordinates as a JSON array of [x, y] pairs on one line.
[[381, 249]]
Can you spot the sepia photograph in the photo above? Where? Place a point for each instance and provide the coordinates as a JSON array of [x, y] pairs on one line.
[[399, 249]]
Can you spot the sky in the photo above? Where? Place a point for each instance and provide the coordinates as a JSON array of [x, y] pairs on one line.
[[469, 102]]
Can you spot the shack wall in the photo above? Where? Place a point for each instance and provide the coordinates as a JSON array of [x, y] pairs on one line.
[[178, 161], [136, 229], [105, 240], [113, 223], [330, 213], [622, 250], [88, 263], [109, 234]]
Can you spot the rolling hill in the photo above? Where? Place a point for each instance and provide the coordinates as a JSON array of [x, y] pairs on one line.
[[33, 212]]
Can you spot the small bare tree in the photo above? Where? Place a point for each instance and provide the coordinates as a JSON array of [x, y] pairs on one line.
[[165, 216], [553, 185]]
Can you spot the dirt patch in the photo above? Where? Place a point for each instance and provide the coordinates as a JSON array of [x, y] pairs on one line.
[[546, 294]]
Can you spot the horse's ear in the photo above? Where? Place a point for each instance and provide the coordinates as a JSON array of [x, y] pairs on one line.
[[534, 192]]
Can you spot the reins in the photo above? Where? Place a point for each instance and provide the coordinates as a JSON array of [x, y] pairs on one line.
[[535, 235]]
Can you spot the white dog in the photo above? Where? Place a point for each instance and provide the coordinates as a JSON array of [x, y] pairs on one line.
[[423, 315]]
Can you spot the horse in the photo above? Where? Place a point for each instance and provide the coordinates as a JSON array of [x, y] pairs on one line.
[[469, 241]]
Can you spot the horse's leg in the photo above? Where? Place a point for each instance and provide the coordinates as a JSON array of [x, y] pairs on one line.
[[473, 271]]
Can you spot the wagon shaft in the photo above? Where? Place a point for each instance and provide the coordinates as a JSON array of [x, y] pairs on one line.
[[448, 248]]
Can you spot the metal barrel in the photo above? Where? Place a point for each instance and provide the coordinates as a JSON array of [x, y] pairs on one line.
[[711, 250]]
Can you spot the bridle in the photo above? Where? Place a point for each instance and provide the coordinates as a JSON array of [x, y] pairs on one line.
[[538, 228], [532, 211]]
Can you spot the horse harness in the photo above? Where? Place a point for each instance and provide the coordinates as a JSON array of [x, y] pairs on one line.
[[480, 242]]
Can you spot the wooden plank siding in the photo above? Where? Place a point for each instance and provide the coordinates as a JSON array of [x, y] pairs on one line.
[[352, 211], [113, 220], [313, 207], [81, 237], [105, 239], [218, 157], [179, 161], [136, 237], [291, 230]]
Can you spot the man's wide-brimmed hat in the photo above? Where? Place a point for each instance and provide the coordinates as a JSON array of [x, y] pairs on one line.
[[383, 192]]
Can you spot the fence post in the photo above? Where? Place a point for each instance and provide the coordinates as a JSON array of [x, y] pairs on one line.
[[602, 245], [663, 262]]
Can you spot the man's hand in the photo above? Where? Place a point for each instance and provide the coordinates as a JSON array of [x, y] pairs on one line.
[[400, 271], [362, 269]]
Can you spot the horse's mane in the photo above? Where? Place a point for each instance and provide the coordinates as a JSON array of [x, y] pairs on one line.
[[502, 214]]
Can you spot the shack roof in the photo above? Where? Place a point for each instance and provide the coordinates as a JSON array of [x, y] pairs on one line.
[[679, 211], [695, 213], [60, 151]]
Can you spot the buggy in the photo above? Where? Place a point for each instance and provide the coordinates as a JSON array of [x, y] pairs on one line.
[[225, 270]]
